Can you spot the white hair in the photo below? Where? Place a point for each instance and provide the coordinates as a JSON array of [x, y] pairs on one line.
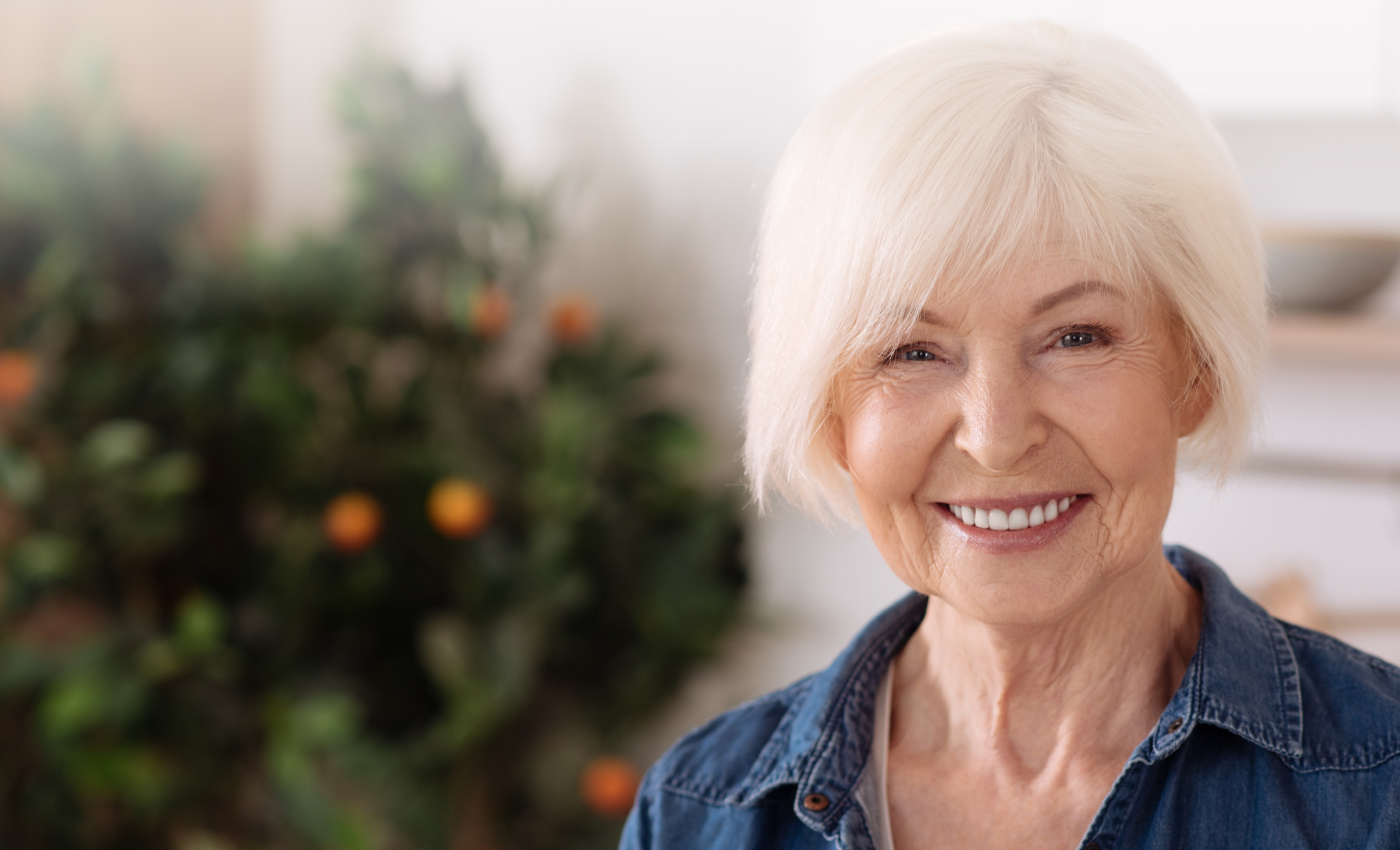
[[963, 155]]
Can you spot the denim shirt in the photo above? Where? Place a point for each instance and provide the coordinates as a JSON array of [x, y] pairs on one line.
[[1279, 737]]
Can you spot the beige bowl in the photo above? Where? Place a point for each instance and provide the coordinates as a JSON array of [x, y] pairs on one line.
[[1326, 270]]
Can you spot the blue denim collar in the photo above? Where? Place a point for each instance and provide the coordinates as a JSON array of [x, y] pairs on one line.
[[1243, 678]]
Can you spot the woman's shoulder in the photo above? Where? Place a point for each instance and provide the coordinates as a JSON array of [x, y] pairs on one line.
[[1317, 702], [728, 783], [716, 762], [767, 741], [1350, 702], [779, 770]]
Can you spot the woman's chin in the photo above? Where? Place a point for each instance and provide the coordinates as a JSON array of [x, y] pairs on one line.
[[1027, 577], [1028, 605]]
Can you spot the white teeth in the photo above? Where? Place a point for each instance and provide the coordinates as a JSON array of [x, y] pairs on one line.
[[1014, 520]]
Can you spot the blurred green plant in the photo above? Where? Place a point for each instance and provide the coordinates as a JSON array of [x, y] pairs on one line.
[[286, 562]]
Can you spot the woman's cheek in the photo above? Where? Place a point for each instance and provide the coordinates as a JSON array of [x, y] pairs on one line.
[[890, 436], [1123, 422]]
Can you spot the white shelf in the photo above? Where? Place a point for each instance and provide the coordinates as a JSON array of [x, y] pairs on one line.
[[1336, 338]]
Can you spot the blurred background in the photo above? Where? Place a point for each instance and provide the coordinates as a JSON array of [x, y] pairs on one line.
[[629, 147]]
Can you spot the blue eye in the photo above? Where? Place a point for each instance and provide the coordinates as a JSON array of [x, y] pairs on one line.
[[1074, 339], [917, 355]]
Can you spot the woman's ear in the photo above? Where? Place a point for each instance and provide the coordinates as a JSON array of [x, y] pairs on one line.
[[1196, 402], [1195, 377], [835, 430]]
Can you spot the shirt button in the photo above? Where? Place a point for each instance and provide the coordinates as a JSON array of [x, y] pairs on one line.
[[1175, 725], [815, 802]]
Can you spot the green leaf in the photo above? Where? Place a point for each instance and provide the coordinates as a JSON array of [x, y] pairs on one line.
[[159, 660], [171, 475], [136, 775], [116, 445], [86, 698], [444, 645], [199, 625], [21, 476], [44, 557], [322, 721]]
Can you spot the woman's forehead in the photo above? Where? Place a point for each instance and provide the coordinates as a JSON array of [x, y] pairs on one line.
[[1034, 304], [1036, 285]]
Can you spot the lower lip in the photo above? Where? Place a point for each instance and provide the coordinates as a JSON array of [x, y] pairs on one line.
[[1011, 542]]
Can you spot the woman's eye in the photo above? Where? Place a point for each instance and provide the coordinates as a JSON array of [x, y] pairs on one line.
[[1074, 339], [917, 355]]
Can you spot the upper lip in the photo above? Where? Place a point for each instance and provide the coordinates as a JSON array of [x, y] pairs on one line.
[[1010, 503]]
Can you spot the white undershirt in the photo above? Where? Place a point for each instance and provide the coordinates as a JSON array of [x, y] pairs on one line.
[[870, 789]]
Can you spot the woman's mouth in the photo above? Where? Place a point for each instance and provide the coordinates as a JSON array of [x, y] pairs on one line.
[[997, 519], [1008, 527]]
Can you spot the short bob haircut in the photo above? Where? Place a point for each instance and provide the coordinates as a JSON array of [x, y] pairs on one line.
[[959, 157]]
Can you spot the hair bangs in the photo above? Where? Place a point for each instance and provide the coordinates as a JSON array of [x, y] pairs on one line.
[[951, 238]]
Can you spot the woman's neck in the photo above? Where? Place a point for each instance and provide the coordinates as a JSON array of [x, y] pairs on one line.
[[1041, 702]]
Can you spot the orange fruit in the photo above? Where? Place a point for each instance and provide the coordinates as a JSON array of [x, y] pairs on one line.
[[18, 375], [458, 508], [572, 320], [351, 522], [609, 785], [490, 312]]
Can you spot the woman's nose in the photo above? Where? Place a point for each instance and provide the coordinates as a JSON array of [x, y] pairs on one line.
[[1000, 422]]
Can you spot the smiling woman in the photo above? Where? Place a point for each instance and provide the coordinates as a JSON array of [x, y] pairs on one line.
[[1050, 388], [1004, 275]]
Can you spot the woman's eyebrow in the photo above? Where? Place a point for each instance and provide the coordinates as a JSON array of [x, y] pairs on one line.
[[1049, 302], [927, 317], [1074, 290]]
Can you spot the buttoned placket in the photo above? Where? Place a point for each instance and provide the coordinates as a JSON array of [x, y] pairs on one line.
[[826, 797]]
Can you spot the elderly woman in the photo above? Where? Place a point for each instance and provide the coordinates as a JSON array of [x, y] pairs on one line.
[[1003, 275]]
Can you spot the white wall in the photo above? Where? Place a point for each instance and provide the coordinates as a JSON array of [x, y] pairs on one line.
[[665, 121], [178, 70], [304, 47]]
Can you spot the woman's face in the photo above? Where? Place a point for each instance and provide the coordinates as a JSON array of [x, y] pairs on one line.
[[1049, 385]]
